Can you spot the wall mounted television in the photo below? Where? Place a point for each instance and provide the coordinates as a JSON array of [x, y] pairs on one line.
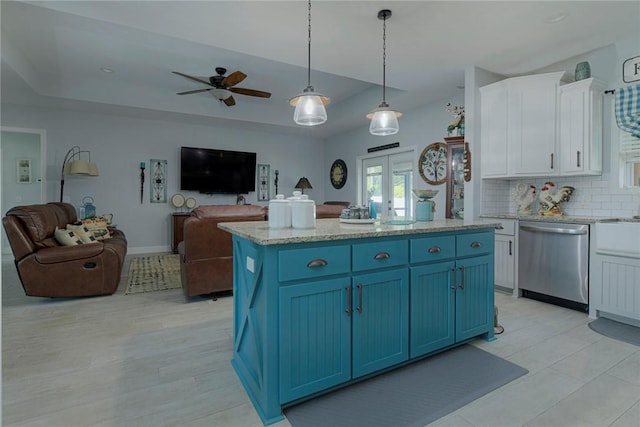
[[214, 171]]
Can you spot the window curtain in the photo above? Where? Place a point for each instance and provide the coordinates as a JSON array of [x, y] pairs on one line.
[[627, 104]]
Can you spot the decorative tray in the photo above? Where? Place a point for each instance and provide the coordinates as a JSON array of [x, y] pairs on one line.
[[357, 221]]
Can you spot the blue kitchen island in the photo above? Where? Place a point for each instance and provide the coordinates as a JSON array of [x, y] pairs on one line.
[[322, 308]]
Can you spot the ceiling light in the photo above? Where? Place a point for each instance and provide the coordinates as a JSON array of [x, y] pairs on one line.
[[309, 104], [384, 120]]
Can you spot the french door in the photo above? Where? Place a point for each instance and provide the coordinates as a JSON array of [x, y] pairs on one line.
[[388, 183]]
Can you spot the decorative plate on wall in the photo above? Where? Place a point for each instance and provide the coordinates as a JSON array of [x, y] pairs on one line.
[[191, 203], [177, 200], [338, 173], [432, 163]]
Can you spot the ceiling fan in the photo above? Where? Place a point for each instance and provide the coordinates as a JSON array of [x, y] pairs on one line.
[[222, 87]]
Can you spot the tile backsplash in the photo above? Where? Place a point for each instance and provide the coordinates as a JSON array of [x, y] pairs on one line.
[[592, 196]]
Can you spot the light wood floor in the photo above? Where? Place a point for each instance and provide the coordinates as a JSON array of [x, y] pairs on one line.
[[158, 359]]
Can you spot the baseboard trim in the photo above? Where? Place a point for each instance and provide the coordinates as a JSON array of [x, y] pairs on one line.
[[148, 249]]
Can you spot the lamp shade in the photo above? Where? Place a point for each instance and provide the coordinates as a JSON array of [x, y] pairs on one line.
[[80, 167], [303, 183], [310, 109], [384, 120]]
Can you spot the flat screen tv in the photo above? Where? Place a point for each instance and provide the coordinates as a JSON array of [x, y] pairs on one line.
[[214, 171]]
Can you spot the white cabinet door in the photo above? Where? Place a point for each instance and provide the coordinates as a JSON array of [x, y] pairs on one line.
[[505, 261], [493, 130], [580, 120], [532, 124]]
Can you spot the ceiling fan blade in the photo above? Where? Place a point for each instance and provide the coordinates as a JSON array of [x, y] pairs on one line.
[[234, 78], [250, 92], [192, 78], [193, 91], [229, 102]]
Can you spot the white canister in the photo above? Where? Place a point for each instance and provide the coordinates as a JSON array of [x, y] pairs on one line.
[[279, 212], [303, 212]]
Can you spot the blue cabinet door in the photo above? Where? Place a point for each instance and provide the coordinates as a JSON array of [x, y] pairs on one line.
[[432, 308], [474, 298], [380, 320], [315, 337]]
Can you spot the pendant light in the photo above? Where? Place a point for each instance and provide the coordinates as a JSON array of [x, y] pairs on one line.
[[309, 104], [384, 120]]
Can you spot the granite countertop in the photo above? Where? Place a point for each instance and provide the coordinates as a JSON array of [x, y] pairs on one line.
[[332, 229], [564, 218]]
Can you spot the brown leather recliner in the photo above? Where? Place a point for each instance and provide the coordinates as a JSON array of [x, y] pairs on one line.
[[48, 269], [206, 252]]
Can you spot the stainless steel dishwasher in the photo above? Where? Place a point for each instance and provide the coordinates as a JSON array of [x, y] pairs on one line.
[[553, 262]]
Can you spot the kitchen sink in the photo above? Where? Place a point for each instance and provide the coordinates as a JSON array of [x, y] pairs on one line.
[[618, 237]]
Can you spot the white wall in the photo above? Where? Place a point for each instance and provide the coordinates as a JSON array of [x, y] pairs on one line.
[[594, 195], [118, 144], [418, 127]]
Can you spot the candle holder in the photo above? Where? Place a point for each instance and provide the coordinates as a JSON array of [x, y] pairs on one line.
[[275, 181], [142, 168]]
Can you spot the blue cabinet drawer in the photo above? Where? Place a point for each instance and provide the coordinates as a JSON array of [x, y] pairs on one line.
[[474, 243], [433, 248], [295, 264], [369, 256]]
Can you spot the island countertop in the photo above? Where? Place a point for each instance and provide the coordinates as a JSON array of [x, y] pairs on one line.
[[332, 229]]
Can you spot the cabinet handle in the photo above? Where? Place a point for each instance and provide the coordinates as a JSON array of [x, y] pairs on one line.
[[455, 285], [510, 248], [349, 300], [499, 227], [359, 307], [551, 160], [317, 263], [578, 158], [382, 255], [434, 250], [462, 278], [475, 244]]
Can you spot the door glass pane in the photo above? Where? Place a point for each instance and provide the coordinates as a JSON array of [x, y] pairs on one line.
[[373, 179], [402, 181]]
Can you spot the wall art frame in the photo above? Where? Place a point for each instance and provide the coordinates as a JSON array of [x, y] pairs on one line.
[[158, 177], [23, 171], [263, 175]]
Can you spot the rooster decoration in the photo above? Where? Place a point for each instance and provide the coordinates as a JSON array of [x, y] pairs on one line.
[[551, 197], [524, 195]]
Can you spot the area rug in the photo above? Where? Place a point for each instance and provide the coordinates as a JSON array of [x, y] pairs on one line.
[[153, 273], [616, 330], [411, 396]]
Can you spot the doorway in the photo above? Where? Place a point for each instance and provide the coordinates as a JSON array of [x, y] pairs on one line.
[[22, 152], [387, 183]]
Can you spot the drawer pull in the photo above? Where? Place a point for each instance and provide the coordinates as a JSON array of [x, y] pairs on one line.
[[499, 227], [317, 263], [434, 250], [475, 244], [382, 255]]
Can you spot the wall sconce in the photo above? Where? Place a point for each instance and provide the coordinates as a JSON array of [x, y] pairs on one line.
[[303, 183], [74, 165]]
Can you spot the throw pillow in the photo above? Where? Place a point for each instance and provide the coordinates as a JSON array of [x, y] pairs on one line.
[[97, 226], [67, 237], [83, 232]]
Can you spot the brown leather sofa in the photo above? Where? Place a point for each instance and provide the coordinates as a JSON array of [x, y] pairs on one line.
[[206, 252], [48, 269]]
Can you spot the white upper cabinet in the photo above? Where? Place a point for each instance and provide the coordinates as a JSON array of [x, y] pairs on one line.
[[519, 127], [493, 131], [580, 121]]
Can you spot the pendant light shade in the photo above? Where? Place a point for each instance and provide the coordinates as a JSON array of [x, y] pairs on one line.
[[309, 104], [310, 109], [384, 120]]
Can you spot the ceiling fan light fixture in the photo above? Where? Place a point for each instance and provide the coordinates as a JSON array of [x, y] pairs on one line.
[[309, 105], [384, 120]]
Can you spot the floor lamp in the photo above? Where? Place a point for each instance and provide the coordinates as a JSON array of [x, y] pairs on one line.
[[74, 165]]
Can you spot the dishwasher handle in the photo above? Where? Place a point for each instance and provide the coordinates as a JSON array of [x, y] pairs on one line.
[[555, 230]]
